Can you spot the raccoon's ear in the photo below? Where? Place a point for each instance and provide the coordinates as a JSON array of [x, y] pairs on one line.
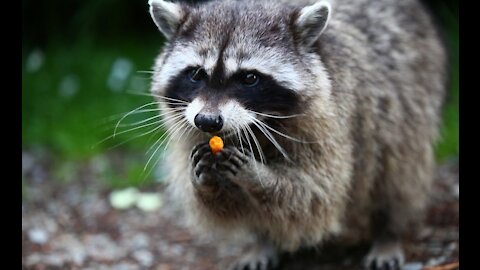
[[312, 21], [166, 15]]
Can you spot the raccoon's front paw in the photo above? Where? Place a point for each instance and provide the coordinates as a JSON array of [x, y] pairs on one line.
[[230, 161], [202, 163], [210, 169]]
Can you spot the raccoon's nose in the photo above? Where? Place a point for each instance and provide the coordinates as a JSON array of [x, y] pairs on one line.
[[208, 123]]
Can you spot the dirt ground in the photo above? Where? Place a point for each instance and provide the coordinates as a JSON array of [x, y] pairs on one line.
[[72, 225]]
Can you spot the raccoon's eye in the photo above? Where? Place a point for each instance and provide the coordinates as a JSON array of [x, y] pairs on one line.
[[250, 79], [196, 74]]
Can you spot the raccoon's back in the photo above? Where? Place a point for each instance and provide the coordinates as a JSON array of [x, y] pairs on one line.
[[387, 65]]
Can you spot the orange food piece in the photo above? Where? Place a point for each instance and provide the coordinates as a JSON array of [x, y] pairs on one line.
[[216, 144]]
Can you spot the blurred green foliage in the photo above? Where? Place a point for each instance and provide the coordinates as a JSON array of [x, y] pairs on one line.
[[67, 99], [447, 15], [73, 49]]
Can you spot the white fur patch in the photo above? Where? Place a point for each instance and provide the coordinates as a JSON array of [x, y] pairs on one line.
[[234, 115], [231, 65], [210, 62], [182, 57], [193, 109], [273, 64]]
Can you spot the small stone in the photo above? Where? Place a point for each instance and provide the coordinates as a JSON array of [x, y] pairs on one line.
[[101, 247], [123, 199], [138, 241], [436, 261], [177, 250], [34, 258], [144, 257], [69, 244], [38, 236], [452, 246], [149, 201], [413, 266], [124, 266], [56, 259], [163, 266]]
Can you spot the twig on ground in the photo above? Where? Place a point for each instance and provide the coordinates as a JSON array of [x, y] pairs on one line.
[[449, 266]]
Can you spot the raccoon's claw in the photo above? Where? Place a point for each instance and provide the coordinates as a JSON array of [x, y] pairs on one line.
[[264, 258], [231, 160], [198, 152], [385, 256]]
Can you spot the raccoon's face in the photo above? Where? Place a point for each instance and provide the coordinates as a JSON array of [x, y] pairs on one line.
[[228, 65]]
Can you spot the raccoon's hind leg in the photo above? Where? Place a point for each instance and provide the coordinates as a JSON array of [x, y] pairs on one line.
[[386, 252], [400, 197]]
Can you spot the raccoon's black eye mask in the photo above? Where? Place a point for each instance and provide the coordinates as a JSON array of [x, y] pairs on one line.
[[247, 78], [253, 89]]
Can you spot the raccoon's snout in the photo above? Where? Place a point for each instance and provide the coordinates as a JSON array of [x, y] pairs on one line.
[[208, 122]]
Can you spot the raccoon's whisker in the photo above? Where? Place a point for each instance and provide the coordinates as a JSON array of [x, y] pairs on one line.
[[153, 117], [180, 126], [135, 128], [184, 126], [248, 141], [146, 71], [259, 148], [252, 154], [270, 138], [190, 129], [171, 103], [153, 135], [111, 136], [166, 120], [116, 116], [125, 131], [159, 96], [280, 133], [160, 145], [106, 120], [169, 132], [163, 156], [121, 119], [169, 98], [140, 122], [276, 116], [137, 136], [156, 142], [164, 134], [239, 136]]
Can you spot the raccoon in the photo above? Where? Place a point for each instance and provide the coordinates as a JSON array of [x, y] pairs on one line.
[[329, 112]]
